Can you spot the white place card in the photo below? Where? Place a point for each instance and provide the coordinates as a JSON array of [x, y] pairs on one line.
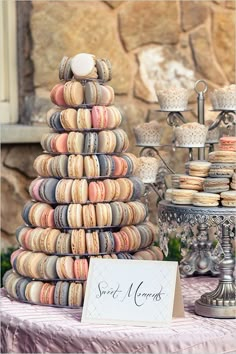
[[132, 292]]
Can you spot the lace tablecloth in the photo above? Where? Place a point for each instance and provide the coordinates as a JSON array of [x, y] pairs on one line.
[[36, 329]]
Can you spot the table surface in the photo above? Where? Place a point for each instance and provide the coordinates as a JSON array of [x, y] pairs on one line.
[[29, 328]]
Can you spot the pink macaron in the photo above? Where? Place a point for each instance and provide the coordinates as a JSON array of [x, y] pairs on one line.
[[61, 143], [57, 95], [34, 189], [15, 254]]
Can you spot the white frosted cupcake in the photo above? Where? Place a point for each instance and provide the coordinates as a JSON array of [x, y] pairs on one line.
[[147, 169], [191, 135], [224, 98], [173, 99], [148, 134]]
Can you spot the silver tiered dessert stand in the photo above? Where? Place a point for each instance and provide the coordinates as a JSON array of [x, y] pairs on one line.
[[202, 258]]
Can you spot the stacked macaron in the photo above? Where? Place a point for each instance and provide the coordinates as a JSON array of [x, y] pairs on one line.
[[228, 143], [86, 198], [223, 163], [198, 168], [82, 191], [65, 191], [206, 182], [90, 215], [44, 293], [228, 199], [84, 242], [222, 172], [233, 182], [97, 118], [89, 166], [59, 292], [74, 94], [106, 141]]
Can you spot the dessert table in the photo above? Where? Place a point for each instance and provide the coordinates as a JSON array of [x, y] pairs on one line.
[[29, 328]]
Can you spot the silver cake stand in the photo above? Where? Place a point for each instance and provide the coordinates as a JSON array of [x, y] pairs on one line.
[[220, 303]]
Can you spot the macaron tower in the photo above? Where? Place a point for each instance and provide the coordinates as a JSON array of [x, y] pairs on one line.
[[85, 200]]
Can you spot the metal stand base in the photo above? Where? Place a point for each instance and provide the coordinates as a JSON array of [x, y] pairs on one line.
[[221, 302], [199, 261], [214, 311]]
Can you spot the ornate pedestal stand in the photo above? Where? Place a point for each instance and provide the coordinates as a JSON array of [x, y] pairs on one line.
[[200, 258], [221, 303]]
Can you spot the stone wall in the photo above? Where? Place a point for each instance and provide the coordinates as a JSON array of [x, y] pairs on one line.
[[16, 174], [151, 44]]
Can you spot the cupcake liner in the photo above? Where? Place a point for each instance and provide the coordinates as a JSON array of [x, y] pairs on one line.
[[148, 134], [224, 98], [173, 99], [147, 169], [191, 135]]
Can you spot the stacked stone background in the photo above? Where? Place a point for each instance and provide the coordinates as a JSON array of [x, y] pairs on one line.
[[151, 44]]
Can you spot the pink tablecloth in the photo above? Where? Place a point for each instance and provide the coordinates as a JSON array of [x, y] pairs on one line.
[[34, 329]]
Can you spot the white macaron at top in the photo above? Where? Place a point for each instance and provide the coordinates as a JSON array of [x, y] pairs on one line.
[[82, 64]]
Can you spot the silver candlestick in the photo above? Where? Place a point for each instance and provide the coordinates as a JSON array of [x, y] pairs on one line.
[[221, 303]]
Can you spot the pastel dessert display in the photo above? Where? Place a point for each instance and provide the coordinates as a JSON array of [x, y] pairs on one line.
[[147, 169], [191, 135], [173, 99], [148, 134], [224, 98], [86, 198]]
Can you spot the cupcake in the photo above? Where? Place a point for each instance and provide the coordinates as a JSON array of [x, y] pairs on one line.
[[191, 135], [212, 135], [173, 99], [224, 98], [147, 169], [148, 134]]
